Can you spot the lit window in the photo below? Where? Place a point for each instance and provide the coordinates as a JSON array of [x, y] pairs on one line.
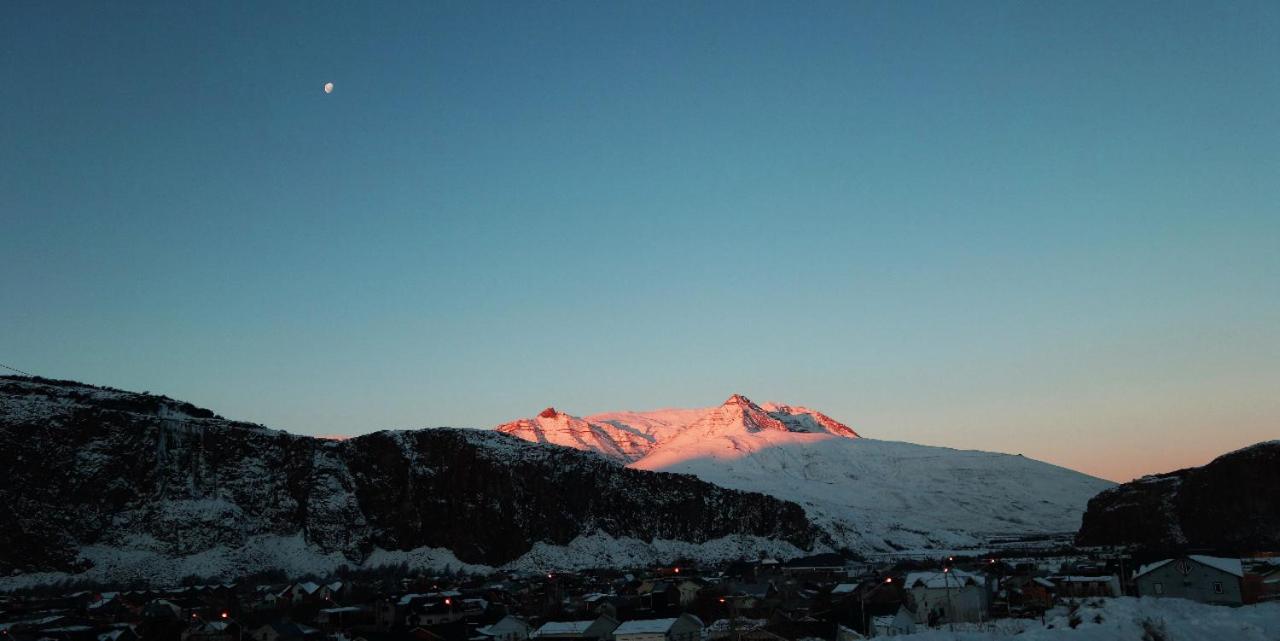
[[1217, 587]]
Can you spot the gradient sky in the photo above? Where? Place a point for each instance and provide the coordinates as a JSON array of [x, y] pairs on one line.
[[1050, 228]]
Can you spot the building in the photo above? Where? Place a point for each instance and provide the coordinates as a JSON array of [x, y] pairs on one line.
[[904, 622], [1207, 579], [598, 629], [507, 628], [948, 596], [685, 627]]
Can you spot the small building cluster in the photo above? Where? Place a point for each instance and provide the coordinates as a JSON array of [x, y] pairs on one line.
[[822, 597]]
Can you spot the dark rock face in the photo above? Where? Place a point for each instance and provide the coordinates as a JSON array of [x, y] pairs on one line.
[[95, 466], [1233, 503]]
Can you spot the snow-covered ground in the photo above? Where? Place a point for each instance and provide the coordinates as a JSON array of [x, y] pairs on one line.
[[1127, 619], [125, 564]]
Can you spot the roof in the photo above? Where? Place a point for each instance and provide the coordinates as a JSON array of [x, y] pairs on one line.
[[845, 588], [556, 628], [645, 626], [943, 580], [1230, 566]]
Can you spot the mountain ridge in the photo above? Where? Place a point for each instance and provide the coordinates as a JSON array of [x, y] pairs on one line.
[[870, 495], [133, 486]]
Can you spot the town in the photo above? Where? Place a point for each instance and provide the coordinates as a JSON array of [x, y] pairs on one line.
[[827, 597]]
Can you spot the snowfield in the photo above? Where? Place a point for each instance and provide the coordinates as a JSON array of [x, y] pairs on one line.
[[871, 495], [1127, 619]]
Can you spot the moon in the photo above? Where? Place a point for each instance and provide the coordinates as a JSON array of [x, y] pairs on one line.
[[328, 87]]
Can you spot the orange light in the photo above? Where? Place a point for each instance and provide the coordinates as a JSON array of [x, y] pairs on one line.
[[448, 601], [226, 615], [677, 570], [889, 580]]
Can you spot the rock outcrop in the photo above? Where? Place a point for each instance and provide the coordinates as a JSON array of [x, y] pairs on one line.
[[1230, 504]]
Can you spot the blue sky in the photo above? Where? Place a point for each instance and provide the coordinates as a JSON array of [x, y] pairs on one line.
[[1047, 228]]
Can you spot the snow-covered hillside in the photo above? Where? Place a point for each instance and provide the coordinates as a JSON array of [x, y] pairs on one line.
[[871, 495], [118, 486]]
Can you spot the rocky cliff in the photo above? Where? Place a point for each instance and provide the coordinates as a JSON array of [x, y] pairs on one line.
[[1233, 503], [136, 476]]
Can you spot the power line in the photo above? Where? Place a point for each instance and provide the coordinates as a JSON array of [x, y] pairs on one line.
[[14, 369]]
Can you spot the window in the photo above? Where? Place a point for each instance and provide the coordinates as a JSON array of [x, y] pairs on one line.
[[1217, 587], [1159, 588]]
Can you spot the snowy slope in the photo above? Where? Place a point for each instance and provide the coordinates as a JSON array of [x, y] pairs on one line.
[[869, 494]]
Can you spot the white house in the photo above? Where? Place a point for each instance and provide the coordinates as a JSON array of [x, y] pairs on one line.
[[893, 625], [600, 628], [507, 628], [685, 627], [948, 596], [1207, 579]]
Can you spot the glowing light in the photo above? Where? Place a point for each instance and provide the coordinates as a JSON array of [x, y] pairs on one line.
[[328, 87]]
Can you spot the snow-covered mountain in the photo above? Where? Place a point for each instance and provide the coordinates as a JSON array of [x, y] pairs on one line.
[[869, 494], [630, 436], [121, 486]]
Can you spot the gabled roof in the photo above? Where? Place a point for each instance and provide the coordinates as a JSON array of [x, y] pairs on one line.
[[558, 628], [645, 626], [1230, 566], [941, 580]]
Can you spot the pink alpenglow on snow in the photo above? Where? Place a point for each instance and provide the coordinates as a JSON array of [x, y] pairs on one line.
[[864, 491]]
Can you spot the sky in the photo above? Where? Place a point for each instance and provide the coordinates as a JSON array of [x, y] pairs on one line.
[[1048, 228]]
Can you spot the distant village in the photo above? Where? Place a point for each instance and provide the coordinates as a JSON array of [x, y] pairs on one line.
[[826, 597]]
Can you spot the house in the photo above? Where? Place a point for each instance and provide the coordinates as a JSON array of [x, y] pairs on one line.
[[343, 617], [507, 628], [948, 596], [1078, 586], [1029, 592], [658, 595], [689, 589], [1207, 579], [600, 629], [685, 627], [904, 622]]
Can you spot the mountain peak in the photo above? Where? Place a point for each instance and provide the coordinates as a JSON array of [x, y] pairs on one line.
[[738, 399], [550, 412]]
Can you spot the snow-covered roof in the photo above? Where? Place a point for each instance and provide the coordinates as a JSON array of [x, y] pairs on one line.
[[645, 626], [1083, 579], [941, 580], [557, 628], [1151, 567], [844, 588], [1230, 566]]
